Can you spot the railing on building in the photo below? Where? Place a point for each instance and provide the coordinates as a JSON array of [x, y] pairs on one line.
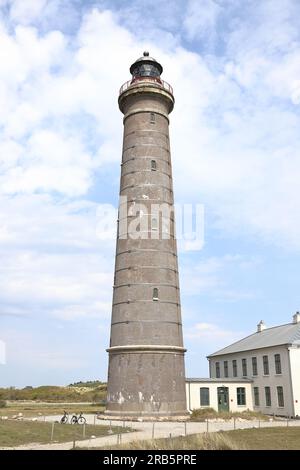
[[157, 82]]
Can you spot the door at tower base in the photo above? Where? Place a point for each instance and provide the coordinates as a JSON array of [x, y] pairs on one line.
[[146, 354]]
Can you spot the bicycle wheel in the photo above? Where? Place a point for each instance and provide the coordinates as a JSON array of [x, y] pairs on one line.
[[64, 420], [81, 420], [74, 420]]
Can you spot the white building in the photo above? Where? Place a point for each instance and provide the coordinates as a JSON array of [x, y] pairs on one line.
[[260, 372], [227, 394]]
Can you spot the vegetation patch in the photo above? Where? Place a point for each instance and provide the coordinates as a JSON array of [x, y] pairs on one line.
[[15, 433], [202, 414], [37, 409], [213, 441], [92, 391], [277, 438]]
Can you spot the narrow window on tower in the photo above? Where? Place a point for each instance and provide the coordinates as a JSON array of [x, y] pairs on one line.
[[152, 118], [155, 294], [153, 165], [154, 224]]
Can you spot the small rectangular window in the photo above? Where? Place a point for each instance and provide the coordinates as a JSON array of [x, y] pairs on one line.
[[268, 396], [152, 118], [244, 367], [280, 397], [204, 396], [254, 366], [277, 364], [234, 368], [154, 224], [241, 396], [266, 365], [217, 370], [155, 293], [153, 165], [225, 368], [256, 396]]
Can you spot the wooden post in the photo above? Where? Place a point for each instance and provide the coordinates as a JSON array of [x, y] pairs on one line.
[[153, 426], [52, 430]]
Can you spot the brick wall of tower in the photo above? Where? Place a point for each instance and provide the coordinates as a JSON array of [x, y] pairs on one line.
[[146, 363]]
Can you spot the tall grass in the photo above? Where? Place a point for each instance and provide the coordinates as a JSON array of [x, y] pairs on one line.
[[202, 414], [214, 441]]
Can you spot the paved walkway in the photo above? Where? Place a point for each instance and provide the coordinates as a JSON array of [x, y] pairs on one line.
[[146, 430]]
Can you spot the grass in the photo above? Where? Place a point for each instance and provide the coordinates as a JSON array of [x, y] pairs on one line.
[[211, 441], [15, 433], [283, 438], [287, 438], [202, 414], [31, 409], [92, 391]]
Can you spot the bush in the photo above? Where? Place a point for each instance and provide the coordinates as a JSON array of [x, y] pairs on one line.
[[201, 414], [2, 403]]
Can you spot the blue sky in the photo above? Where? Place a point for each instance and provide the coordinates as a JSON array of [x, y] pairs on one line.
[[235, 69]]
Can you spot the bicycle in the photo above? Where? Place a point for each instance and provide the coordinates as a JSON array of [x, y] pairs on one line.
[[65, 418], [78, 419]]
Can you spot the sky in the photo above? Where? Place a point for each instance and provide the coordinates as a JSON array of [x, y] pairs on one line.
[[235, 67]]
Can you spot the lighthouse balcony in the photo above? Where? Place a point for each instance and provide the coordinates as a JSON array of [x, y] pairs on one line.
[[142, 80]]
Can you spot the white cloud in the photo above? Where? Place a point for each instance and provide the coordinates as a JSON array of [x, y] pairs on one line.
[[52, 262], [201, 18], [210, 336], [215, 276], [26, 11]]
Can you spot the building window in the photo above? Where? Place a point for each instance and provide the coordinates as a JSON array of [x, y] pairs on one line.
[[152, 118], [266, 365], [225, 368], [154, 224], [153, 165], [204, 396], [280, 397], [256, 396], [268, 396], [241, 396], [244, 367], [155, 293], [234, 368], [277, 364], [217, 370], [254, 366]]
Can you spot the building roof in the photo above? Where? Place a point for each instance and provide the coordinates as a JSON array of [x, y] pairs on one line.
[[288, 334], [221, 381]]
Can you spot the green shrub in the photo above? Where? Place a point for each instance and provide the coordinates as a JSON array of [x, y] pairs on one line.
[[2, 403]]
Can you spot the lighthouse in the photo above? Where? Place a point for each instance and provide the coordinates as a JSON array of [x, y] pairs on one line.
[[146, 375]]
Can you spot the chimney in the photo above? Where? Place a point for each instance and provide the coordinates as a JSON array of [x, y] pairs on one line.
[[261, 326], [296, 318]]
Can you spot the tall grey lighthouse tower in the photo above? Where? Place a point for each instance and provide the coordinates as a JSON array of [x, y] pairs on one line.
[[146, 355]]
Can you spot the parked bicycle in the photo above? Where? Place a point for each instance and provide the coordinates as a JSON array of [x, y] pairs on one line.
[[78, 419], [65, 418]]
